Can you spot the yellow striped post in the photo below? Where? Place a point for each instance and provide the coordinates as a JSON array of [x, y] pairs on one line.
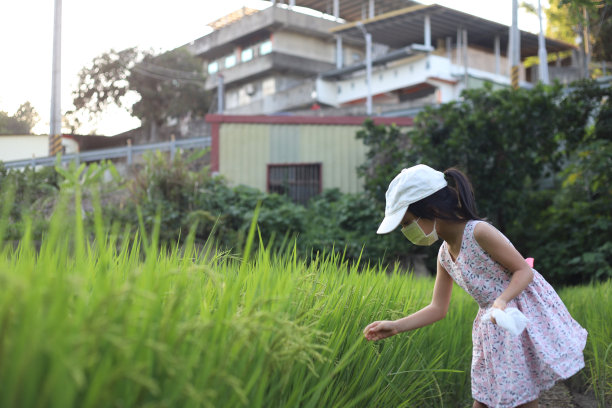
[[55, 144], [514, 77]]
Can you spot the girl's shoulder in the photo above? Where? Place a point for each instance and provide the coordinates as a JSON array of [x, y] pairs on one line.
[[490, 239], [482, 229], [474, 228]]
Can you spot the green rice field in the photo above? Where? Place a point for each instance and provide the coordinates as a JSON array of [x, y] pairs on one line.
[[111, 320]]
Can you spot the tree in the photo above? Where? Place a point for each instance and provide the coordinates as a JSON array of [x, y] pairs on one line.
[[387, 155], [504, 140], [588, 20], [21, 123], [105, 82], [570, 224], [539, 160], [170, 85]]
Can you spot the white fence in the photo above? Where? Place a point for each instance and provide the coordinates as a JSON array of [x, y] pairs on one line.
[[118, 152]]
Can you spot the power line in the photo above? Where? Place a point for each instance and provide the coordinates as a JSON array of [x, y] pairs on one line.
[[143, 71], [169, 71]]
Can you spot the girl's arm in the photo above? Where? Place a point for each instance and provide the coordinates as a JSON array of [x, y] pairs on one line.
[[496, 245], [435, 311]]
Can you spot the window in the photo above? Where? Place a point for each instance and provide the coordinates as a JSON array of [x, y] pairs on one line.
[[300, 182], [265, 47], [246, 55], [230, 61], [213, 67]]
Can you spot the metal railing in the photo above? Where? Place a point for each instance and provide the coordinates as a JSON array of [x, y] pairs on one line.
[[117, 152]]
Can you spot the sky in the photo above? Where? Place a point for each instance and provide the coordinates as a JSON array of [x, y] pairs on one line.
[[90, 28]]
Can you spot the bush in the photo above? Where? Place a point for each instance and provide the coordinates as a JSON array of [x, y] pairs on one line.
[[29, 195], [539, 161]]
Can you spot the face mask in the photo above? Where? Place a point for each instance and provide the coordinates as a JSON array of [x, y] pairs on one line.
[[415, 234]]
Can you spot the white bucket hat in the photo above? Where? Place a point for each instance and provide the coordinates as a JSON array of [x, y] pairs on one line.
[[410, 186]]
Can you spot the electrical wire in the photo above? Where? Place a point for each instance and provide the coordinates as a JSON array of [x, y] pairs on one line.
[[163, 77]]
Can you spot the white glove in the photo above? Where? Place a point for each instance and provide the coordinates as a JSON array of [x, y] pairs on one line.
[[510, 319]]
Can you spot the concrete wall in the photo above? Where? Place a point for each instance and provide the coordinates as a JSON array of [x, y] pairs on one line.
[[436, 70], [23, 147], [301, 45], [279, 100], [485, 61], [220, 42], [395, 75], [20, 147], [249, 98]]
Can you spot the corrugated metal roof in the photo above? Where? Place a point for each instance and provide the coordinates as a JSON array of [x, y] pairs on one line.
[[353, 10], [403, 27]]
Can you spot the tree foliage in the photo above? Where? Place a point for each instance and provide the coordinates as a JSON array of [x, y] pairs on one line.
[[567, 19], [501, 139], [21, 123], [105, 82], [570, 223], [385, 158], [169, 85], [540, 161]]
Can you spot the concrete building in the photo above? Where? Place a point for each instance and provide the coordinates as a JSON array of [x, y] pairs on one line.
[[294, 88], [268, 61], [282, 60]]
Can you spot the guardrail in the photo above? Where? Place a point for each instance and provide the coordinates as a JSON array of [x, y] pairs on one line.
[[117, 152]]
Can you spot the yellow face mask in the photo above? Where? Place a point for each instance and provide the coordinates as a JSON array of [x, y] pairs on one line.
[[415, 234]]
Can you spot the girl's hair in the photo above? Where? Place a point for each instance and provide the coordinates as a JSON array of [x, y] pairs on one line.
[[455, 202]]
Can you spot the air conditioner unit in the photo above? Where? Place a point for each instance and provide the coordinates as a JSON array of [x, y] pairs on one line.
[[250, 89]]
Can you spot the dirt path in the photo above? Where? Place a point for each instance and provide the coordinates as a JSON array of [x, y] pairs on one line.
[[560, 396]]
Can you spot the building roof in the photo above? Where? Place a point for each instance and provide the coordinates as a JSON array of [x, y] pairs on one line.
[[93, 142], [353, 10], [232, 17], [405, 26]]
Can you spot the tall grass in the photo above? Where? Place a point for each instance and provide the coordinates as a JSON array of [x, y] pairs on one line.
[[112, 322], [591, 306]]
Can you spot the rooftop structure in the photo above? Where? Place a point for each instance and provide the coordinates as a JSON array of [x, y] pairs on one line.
[[281, 60]]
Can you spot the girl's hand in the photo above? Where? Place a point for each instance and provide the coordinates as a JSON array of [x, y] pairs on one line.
[[380, 330], [499, 304]]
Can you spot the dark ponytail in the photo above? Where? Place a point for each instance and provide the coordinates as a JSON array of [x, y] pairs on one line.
[[455, 202], [465, 192]]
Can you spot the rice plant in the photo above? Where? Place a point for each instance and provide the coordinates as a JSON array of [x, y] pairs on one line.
[[114, 320], [591, 306]]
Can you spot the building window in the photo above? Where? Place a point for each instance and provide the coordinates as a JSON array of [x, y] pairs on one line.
[[246, 55], [230, 61], [300, 182], [213, 67], [265, 47]]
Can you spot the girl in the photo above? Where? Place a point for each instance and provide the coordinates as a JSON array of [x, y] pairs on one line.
[[507, 371]]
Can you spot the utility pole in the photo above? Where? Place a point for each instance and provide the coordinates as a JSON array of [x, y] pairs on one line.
[[514, 72], [55, 136], [542, 55], [586, 43], [368, 41], [220, 93]]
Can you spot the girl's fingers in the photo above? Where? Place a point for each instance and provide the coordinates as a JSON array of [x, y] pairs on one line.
[[370, 327]]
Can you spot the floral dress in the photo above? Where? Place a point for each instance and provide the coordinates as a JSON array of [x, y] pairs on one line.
[[508, 371]]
